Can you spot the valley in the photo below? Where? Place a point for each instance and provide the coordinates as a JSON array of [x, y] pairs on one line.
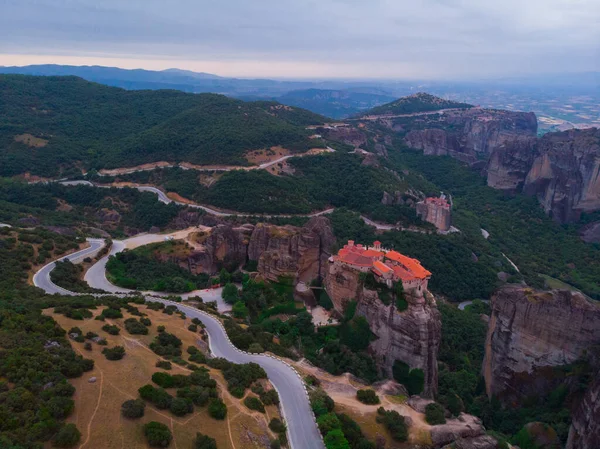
[[403, 252]]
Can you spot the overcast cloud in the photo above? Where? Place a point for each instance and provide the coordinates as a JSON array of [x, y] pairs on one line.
[[308, 38]]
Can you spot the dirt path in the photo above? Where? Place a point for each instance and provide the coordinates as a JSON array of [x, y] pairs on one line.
[[89, 426]]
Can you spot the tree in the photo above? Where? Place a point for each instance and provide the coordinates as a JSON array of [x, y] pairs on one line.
[[240, 310], [133, 408], [67, 436], [181, 406], [435, 414], [224, 277], [254, 404], [230, 293], [276, 425], [157, 434], [116, 353], [217, 409], [336, 440], [204, 442], [328, 422]]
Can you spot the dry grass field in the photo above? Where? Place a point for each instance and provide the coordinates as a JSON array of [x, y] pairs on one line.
[[31, 141], [97, 405]]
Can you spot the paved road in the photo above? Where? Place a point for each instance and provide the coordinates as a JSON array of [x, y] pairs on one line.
[[464, 304], [42, 280], [4, 225], [302, 429]]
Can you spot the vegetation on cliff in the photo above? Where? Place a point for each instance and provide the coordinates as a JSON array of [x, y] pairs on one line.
[[419, 102]]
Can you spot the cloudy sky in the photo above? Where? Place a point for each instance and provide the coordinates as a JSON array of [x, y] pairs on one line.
[[438, 39]]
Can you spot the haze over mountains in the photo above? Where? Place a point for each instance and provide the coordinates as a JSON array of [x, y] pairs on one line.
[[560, 101]]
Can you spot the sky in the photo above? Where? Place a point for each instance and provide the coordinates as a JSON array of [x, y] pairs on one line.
[[390, 39]]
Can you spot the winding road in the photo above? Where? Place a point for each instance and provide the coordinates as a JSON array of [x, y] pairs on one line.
[[303, 432]]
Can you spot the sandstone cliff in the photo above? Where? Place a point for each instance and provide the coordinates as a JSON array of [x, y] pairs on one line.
[[290, 251], [473, 134], [529, 333], [412, 336], [585, 427], [565, 175]]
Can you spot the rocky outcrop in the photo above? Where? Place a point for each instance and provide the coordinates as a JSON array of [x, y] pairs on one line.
[[509, 164], [590, 233], [529, 333], [412, 336], [346, 134], [224, 247], [465, 428], [471, 134], [565, 174], [289, 251], [585, 426]]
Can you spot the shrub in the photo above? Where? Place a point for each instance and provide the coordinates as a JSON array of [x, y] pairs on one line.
[[204, 442], [254, 403], [198, 395], [217, 409], [163, 379], [256, 348], [230, 293], [90, 335], [157, 396], [193, 328], [394, 422], [413, 380], [111, 313], [116, 353], [277, 426], [328, 422], [198, 357], [166, 344], [146, 321], [133, 408], [401, 304], [111, 329], [192, 350], [134, 327], [157, 434], [336, 440], [67, 436], [181, 406], [435, 414], [87, 346], [164, 364], [320, 402], [160, 329], [367, 397], [102, 342], [269, 397]]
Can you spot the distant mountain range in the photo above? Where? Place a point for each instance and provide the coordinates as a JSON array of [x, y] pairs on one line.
[[560, 101]]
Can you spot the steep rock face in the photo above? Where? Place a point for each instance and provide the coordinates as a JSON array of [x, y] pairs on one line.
[[585, 427], [529, 333], [412, 336], [472, 134], [225, 246], [509, 164], [565, 175], [289, 251]]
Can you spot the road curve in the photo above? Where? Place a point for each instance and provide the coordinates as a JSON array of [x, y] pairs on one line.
[[303, 432], [42, 279]]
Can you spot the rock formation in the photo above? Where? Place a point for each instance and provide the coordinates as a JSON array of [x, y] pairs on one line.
[[290, 251], [529, 333], [436, 211], [565, 175], [472, 134], [585, 426], [412, 336]]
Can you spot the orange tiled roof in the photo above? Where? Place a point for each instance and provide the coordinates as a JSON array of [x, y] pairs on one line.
[[373, 253], [403, 274], [413, 265], [381, 267]]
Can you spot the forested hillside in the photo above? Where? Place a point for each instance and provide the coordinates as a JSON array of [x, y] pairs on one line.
[[419, 102], [53, 125]]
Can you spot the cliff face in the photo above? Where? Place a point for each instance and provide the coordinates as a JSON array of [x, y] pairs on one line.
[[565, 174], [529, 333], [585, 426], [412, 336], [472, 134], [289, 251]]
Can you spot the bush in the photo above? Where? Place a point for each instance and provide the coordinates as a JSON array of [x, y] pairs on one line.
[[328, 422], [204, 442], [336, 440], [255, 348], [435, 414], [193, 328], [277, 426], [198, 395], [134, 327], [111, 329], [67, 436], [254, 403], [394, 422], [181, 406], [146, 321], [160, 329], [230, 293], [133, 408], [116, 353], [217, 409], [157, 396], [111, 313], [367, 397], [320, 402], [87, 346], [157, 434], [198, 357], [163, 379], [164, 364]]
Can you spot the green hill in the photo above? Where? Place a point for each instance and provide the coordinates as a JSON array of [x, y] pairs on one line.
[[419, 102], [50, 125]]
